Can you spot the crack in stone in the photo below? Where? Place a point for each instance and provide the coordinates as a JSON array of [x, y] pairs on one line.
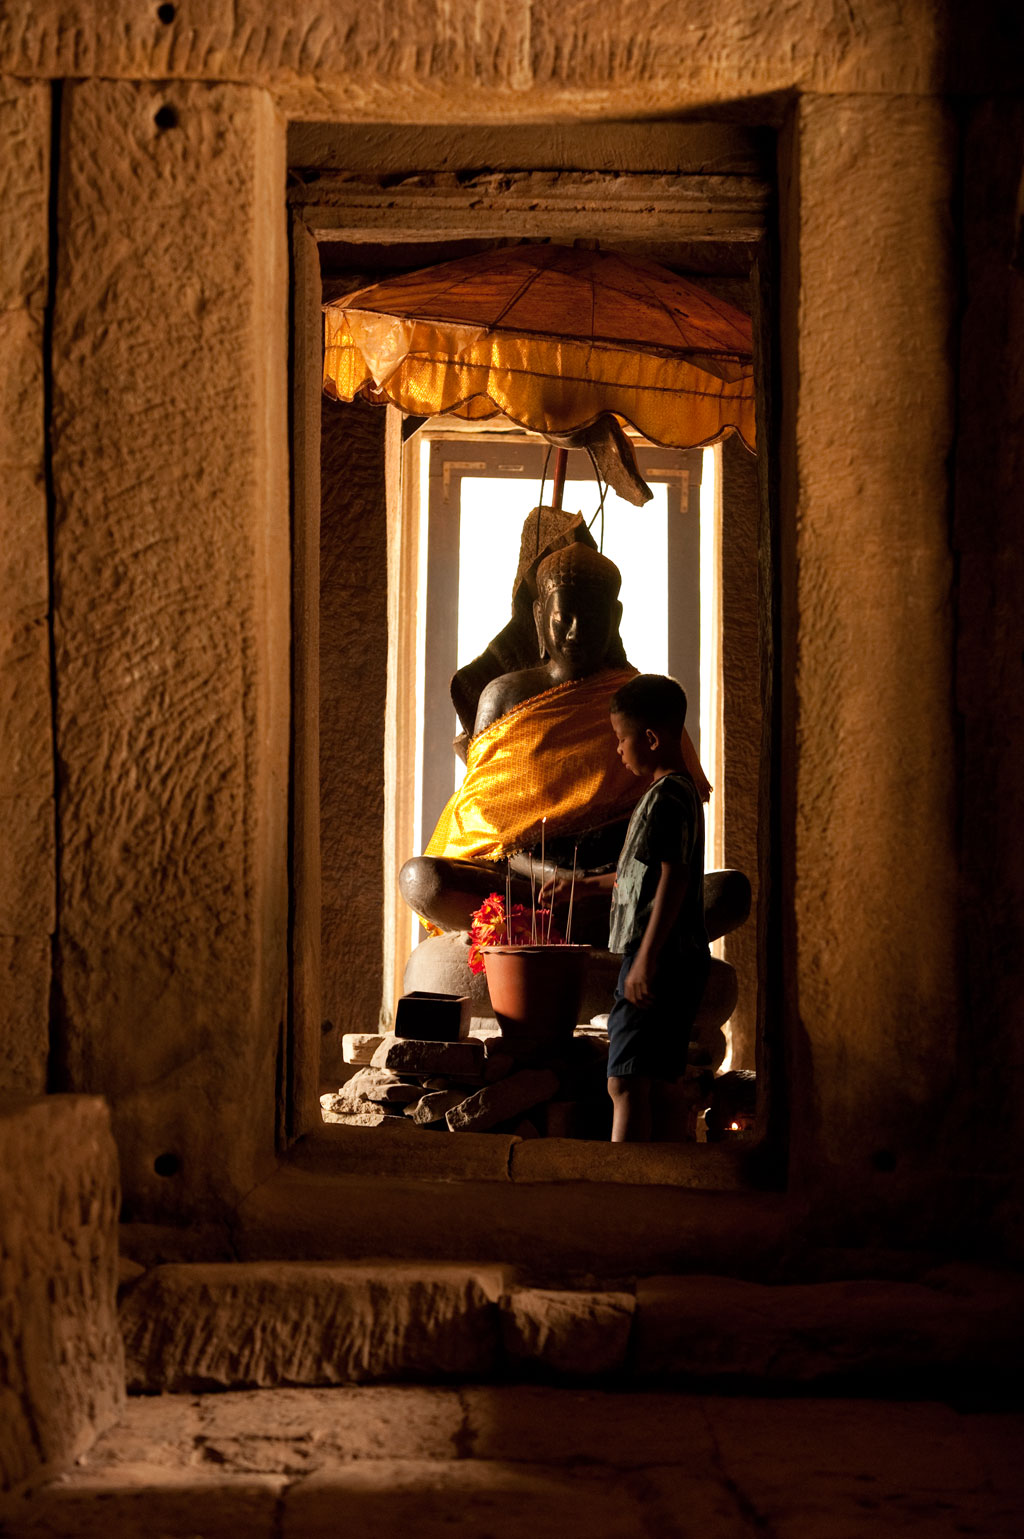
[[752, 1517]]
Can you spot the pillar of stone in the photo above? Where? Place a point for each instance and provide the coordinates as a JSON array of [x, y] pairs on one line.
[[171, 627], [353, 700], [742, 649], [868, 777], [60, 1345], [26, 743], [990, 649]]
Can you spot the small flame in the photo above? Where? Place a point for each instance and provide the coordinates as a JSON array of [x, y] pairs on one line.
[[734, 1127]]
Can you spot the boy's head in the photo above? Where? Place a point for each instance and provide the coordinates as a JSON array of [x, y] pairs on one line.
[[648, 715]]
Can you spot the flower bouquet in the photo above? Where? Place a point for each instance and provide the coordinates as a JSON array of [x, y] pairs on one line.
[[489, 928]]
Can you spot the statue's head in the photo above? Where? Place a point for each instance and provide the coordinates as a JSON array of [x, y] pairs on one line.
[[577, 610]]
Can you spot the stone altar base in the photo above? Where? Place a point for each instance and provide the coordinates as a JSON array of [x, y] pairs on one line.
[[481, 1085], [484, 1084], [441, 964]]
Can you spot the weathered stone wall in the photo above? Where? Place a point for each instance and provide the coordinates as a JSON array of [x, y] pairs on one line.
[[353, 689], [539, 59], [867, 430], [171, 555], [171, 559], [987, 533], [61, 1356], [26, 745], [742, 646]]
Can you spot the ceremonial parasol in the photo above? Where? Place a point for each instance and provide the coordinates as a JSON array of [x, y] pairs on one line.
[[554, 338]]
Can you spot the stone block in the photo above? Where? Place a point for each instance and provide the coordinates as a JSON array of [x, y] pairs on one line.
[[293, 1431], [27, 865], [516, 1425], [141, 1501], [27, 856], [26, 738], [434, 1107], [503, 1100], [24, 573], [861, 1332], [501, 1500], [366, 1085], [352, 664], [582, 1334], [360, 1046], [25, 1013], [63, 1373], [171, 624], [365, 1118], [261, 1324], [21, 387], [399, 1095], [409, 65], [24, 191], [873, 580], [379, 1053], [319, 1183], [459, 1060], [687, 1166]]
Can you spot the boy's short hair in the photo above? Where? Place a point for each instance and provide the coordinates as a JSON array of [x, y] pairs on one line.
[[651, 700]]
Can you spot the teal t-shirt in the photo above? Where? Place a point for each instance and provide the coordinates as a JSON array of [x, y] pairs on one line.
[[667, 824]]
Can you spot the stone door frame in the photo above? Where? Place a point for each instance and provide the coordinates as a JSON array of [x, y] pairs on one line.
[[374, 202]]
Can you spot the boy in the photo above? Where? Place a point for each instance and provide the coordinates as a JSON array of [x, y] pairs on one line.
[[657, 915]]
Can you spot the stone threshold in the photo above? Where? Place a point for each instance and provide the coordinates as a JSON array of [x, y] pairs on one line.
[[569, 1206], [396, 1149]]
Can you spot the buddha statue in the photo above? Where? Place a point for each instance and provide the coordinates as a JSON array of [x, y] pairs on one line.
[[540, 752], [538, 745]]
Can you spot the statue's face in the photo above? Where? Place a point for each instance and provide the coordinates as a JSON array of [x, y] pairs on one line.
[[575, 626]]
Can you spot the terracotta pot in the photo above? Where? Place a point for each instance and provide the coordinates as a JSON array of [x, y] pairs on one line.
[[535, 992]]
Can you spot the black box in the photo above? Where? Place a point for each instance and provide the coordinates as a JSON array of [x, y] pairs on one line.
[[427, 1017]]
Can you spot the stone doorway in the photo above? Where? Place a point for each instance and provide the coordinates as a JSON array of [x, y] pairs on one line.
[[343, 978]]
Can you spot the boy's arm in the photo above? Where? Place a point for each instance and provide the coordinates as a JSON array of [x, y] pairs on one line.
[[668, 900], [556, 890]]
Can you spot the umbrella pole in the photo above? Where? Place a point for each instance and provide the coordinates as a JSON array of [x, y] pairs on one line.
[[558, 486]]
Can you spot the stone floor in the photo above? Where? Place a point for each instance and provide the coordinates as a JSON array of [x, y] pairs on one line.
[[535, 1463]]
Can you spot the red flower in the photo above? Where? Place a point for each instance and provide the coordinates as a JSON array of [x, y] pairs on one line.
[[489, 929]]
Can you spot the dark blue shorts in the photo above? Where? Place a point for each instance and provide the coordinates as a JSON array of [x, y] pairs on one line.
[[653, 1040]]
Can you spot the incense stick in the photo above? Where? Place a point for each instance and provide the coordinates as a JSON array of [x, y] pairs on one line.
[[533, 905], [543, 877], [508, 901], [572, 893]]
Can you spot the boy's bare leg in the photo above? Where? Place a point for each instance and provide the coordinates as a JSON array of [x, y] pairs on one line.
[[631, 1108]]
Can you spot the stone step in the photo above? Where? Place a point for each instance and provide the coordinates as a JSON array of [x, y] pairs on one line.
[[200, 1326]]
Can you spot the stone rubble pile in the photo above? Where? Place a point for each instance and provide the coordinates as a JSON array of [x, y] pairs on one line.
[[479, 1084]]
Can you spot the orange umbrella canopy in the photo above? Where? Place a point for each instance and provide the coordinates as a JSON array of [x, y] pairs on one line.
[[551, 337]]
